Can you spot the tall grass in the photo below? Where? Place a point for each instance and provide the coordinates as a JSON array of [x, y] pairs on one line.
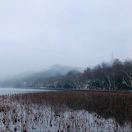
[[106, 104]]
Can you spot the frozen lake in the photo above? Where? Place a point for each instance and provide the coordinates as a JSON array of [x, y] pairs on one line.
[[10, 91]]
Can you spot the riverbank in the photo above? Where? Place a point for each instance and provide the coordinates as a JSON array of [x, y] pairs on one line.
[[67, 106]]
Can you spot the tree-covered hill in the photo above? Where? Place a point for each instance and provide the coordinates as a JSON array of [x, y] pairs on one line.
[[106, 76]]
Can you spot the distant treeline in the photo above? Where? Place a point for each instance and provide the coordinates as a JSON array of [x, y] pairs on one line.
[[114, 76], [106, 76]]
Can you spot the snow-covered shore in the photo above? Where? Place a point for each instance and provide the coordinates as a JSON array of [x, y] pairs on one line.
[[19, 117]]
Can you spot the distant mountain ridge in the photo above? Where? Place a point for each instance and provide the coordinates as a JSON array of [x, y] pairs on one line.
[[54, 71]]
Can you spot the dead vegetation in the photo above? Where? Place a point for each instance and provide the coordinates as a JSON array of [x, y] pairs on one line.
[[107, 104], [28, 111]]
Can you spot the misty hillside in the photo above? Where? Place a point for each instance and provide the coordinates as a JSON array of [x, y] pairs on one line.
[[30, 78], [105, 76]]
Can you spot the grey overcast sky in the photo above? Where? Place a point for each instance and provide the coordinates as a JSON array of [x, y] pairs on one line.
[[35, 34]]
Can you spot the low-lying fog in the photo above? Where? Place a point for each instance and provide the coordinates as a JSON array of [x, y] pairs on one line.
[[35, 35]]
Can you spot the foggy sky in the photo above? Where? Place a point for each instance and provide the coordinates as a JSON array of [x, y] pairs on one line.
[[35, 34]]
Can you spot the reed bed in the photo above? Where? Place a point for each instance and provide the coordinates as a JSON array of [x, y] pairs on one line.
[[107, 104], [66, 111]]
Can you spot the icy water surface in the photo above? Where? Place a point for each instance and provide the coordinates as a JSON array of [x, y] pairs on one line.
[[10, 91]]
